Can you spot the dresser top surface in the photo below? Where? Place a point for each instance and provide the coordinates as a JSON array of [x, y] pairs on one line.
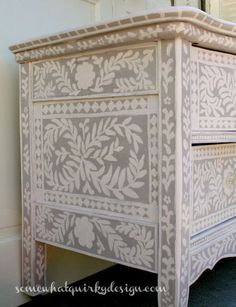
[[193, 24]]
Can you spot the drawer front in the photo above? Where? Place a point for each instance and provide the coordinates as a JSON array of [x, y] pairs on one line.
[[107, 73], [214, 185], [209, 247], [99, 155], [213, 90], [130, 243]]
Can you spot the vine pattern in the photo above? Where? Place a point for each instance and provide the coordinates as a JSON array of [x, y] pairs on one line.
[[213, 181], [88, 153], [208, 256], [174, 232], [33, 272], [86, 109], [213, 89], [119, 72], [128, 242]]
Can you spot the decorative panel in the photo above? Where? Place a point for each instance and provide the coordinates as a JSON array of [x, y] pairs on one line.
[[98, 154], [213, 85], [214, 185], [108, 73], [210, 247], [131, 243]]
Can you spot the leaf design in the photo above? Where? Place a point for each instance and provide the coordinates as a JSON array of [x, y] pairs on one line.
[[126, 241], [217, 91], [139, 254], [82, 156], [208, 257], [212, 191], [95, 74]]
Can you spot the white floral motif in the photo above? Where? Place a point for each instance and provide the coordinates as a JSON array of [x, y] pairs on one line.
[[84, 164], [213, 183], [93, 107], [29, 250], [167, 263], [84, 75], [84, 231], [213, 89], [122, 71], [129, 242], [208, 257], [217, 91]]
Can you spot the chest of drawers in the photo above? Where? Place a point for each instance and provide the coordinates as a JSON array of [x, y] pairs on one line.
[[127, 146]]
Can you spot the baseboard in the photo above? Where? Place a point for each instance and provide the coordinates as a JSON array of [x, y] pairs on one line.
[[10, 267]]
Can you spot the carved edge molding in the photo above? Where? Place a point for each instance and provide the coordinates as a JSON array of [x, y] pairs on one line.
[[209, 137], [192, 24], [211, 151], [33, 272], [215, 248]]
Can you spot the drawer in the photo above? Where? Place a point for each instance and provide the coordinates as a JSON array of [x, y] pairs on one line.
[[98, 155], [122, 241], [122, 71], [213, 90], [214, 185], [210, 246]]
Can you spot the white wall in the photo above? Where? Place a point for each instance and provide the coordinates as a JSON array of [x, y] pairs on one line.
[[222, 9], [108, 9]]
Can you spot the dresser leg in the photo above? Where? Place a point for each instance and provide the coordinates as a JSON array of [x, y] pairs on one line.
[[175, 295], [33, 252], [34, 267], [175, 173], [39, 268]]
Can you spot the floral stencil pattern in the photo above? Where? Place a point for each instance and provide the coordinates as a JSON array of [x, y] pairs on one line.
[[214, 249], [175, 174], [121, 141], [213, 185], [131, 243], [114, 72], [33, 272], [82, 155], [213, 89]]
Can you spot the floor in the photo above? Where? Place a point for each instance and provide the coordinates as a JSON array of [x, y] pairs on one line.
[[216, 288]]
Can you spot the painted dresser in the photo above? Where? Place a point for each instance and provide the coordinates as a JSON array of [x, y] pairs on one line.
[[127, 145]]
